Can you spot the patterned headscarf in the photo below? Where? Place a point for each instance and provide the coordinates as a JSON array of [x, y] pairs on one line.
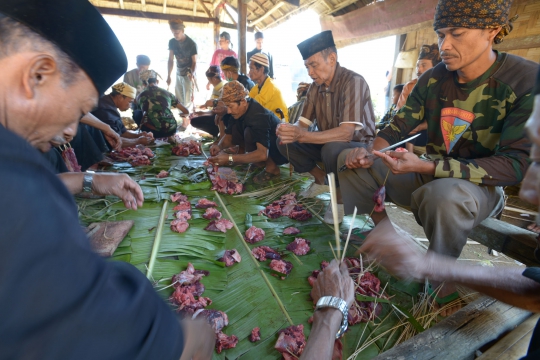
[[125, 89], [430, 52], [475, 14], [233, 91], [148, 74]]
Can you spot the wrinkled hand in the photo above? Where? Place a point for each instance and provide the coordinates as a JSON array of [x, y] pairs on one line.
[[143, 140], [215, 149], [421, 127], [393, 251], [199, 340], [358, 158], [403, 162], [220, 159], [288, 133], [220, 110], [113, 139], [119, 185], [334, 281], [148, 134]]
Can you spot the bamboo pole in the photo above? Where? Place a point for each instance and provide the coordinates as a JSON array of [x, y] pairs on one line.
[[157, 240], [333, 203], [349, 235]]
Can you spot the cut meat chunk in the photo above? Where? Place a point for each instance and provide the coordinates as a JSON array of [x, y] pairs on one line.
[[217, 319], [219, 225], [178, 197], [299, 246], [211, 213], [162, 174], [262, 253], [179, 225], [300, 214], [291, 342], [254, 234], [291, 231], [230, 257], [282, 267], [255, 335], [224, 342], [183, 205], [272, 211], [205, 204], [188, 277], [183, 215]]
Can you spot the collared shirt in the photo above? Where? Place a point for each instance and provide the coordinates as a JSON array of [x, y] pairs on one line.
[[217, 91], [346, 99], [81, 306], [269, 96], [475, 129], [108, 113]]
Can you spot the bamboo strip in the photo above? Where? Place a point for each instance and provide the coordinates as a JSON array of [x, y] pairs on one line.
[[349, 235], [265, 278], [157, 240], [333, 203]]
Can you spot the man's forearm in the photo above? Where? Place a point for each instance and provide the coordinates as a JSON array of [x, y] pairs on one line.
[[326, 323], [91, 120], [259, 155], [170, 65], [130, 135], [343, 133], [72, 181]]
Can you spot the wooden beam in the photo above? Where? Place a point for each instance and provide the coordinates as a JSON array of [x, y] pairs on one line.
[[339, 6], [206, 9], [306, 6], [515, 242], [143, 3], [242, 30], [230, 16], [516, 43], [153, 15], [121, 4], [195, 7], [267, 14], [459, 336], [164, 6], [217, 12]]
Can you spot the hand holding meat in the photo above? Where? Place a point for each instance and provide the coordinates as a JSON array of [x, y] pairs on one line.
[[119, 185], [214, 149], [334, 281], [199, 340], [358, 158], [220, 159], [405, 162], [288, 133], [393, 252], [113, 139]]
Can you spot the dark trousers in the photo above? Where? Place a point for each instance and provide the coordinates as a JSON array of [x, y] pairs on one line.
[[245, 139], [304, 157], [159, 134], [88, 145], [206, 124]]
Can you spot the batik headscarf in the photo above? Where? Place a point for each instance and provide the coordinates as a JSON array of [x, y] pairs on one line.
[[475, 14], [430, 52], [125, 89], [233, 91]]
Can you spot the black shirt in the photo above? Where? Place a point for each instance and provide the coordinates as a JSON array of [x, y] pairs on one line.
[[270, 60], [262, 123], [183, 51], [58, 299], [534, 347], [244, 80], [108, 113]]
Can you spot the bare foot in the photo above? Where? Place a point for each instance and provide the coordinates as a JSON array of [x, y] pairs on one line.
[[441, 292], [534, 228]]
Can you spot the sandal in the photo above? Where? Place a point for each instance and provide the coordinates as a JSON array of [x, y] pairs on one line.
[[441, 300], [265, 177]]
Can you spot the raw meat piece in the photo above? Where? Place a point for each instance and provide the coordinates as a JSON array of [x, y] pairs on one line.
[[180, 150], [179, 225], [139, 160], [211, 213], [183, 215], [378, 199], [287, 209], [71, 160], [188, 276], [178, 197], [272, 211], [187, 303], [162, 174], [262, 253], [300, 214], [217, 319], [224, 180], [146, 151], [282, 267], [299, 246], [291, 342], [219, 225], [205, 204], [254, 234], [230, 257], [291, 231], [255, 335], [126, 153], [183, 206], [224, 342]]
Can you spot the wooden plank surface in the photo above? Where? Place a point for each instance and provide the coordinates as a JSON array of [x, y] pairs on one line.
[[460, 335]]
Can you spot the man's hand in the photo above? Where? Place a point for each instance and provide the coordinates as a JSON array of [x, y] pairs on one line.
[[199, 340], [421, 127], [288, 133], [148, 134], [143, 140], [334, 281], [393, 252], [113, 139], [119, 185], [214, 149], [220, 110], [405, 162], [220, 159], [358, 158], [168, 81]]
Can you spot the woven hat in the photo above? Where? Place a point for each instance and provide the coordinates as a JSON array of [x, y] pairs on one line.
[[260, 58], [125, 89], [233, 91]]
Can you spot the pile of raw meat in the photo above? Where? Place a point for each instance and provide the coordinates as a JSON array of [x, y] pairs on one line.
[[287, 205], [291, 342], [366, 284], [186, 148], [162, 174], [182, 212], [263, 253], [254, 234], [187, 296], [136, 156], [223, 179], [299, 246], [281, 267], [230, 257]]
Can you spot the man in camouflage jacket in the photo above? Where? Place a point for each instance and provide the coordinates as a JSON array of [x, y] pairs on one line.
[[476, 103]]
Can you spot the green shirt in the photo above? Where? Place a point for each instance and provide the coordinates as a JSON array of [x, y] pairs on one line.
[[156, 104], [476, 129]]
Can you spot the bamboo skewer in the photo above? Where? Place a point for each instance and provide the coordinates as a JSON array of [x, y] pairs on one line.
[[333, 203], [157, 240], [349, 235]]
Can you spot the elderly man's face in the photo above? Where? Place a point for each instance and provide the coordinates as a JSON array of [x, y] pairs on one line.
[[321, 70], [461, 47], [255, 74]]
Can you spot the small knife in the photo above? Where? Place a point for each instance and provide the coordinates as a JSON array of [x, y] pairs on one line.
[[344, 167]]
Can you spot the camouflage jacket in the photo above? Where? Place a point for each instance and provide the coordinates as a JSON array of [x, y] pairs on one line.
[[156, 104], [475, 130]]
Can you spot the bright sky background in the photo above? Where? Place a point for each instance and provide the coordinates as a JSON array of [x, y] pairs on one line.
[[371, 59]]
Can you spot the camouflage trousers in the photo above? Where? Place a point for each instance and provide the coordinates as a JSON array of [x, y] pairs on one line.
[[447, 208]]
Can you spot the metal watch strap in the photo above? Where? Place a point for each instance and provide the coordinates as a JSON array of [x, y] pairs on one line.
[[88, 179], [215, 102], [231, 162], [336, 303]]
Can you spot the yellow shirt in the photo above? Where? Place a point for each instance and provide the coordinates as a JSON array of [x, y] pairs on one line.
[[218, 89], [270, 97]]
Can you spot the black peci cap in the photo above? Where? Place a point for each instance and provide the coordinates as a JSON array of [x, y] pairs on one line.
[[316, 43], [79, 30]]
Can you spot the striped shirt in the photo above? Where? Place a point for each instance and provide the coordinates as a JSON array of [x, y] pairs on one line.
[[346, 99]]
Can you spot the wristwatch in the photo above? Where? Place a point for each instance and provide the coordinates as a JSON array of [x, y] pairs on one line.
[[88, 179], [231, 162], [215, 103], [336, 303]]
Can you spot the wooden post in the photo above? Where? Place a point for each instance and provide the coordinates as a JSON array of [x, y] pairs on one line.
[[242, 32], [217, 12]]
